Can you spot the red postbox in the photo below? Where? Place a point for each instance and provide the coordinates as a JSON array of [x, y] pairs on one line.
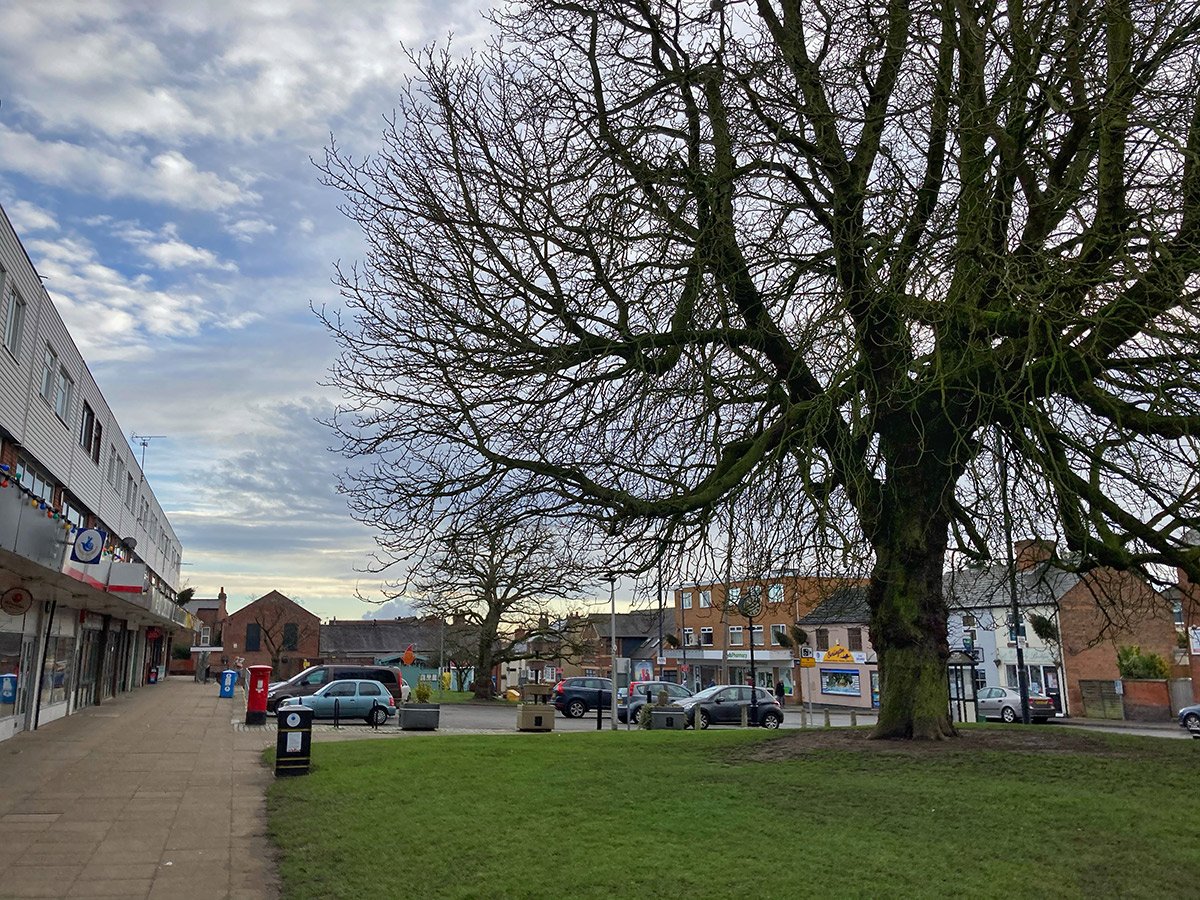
[[256, 697]]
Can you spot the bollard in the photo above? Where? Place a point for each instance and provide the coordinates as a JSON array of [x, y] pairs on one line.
[[853, 718], [337, 710], [827, 723], [745, 716], [803, 717], [371, 719]]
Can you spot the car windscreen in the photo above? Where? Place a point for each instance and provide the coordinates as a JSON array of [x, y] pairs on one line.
[[707, 693]]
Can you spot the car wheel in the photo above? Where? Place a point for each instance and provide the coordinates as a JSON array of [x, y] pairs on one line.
[[771, 720], [1008, 714], [1191, 721], [703, 719], [378, 716], [576, 709]]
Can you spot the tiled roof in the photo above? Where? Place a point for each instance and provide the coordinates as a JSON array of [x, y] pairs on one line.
[[979, 588], [379, 637], [845, 606]]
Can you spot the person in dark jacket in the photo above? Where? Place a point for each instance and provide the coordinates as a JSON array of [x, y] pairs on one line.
[[779, 692]]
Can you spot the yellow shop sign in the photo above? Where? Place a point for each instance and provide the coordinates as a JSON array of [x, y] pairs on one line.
[[838, 654]]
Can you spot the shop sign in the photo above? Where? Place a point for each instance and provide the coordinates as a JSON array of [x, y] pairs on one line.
[[839, 654], [16, 601], [739, 654], [808, 662], [88, 546]]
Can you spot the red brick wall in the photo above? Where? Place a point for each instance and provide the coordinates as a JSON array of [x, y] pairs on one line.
[[273, 611], [1136, 615], [1146, 701]]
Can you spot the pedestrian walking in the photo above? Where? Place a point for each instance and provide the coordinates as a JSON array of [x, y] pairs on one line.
[[779, 692]]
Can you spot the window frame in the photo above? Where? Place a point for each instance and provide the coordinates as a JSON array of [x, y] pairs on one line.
[[707, 631], [736, 642], [256, 629], [821, 638], [15, 309], [757, 636], [854, 637], [777, 629], [706, 599], [685, 600]]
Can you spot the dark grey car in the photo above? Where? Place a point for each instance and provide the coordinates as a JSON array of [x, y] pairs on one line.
[[723, 705]]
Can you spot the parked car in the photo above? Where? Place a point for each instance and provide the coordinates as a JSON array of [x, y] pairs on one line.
[[1189, 718], [314, 678], [722, 704], [575, 697], [1004, 703], [630, 701], [352, 698]]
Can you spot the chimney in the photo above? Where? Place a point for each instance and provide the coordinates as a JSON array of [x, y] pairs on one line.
[[1031, 552], [221, 594]]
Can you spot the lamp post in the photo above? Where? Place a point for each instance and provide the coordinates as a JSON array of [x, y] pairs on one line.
[[1022, 676], [612, 602]]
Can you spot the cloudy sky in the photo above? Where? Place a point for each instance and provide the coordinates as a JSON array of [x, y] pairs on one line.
[[156, 160]]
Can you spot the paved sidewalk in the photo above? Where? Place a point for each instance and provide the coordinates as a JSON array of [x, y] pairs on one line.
[[149, 795]]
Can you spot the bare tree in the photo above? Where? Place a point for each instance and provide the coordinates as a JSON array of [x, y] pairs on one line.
[[498, 580], [641, 257]]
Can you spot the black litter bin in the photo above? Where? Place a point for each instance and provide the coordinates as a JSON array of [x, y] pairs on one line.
[[293, 740]]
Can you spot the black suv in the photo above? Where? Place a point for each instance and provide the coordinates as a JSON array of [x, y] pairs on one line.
[[642, 692], [573, 697], [314, 678]]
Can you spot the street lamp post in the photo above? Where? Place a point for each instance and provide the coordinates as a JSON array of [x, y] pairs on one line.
[[612, 602]]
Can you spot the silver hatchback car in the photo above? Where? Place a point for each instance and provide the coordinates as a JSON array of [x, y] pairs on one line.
[[1004, 703]]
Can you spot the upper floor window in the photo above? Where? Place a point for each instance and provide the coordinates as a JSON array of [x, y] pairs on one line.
[[735, 635], [112, 465], [62, 394], [822, 638], [686, 599], [90, 432], [706, 637], [14, 316], [130, 493], [49, 374], [206, 636], [705, 599], [756, 635], [688, 639], [775, 593], [253, 635], [1177, 610], [291, 636], [854, 639], [777, 633]]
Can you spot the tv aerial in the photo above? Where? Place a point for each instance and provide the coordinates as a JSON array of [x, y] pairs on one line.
[[144, 440]]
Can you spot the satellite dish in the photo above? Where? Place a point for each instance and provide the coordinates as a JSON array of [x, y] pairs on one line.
[[129, 543]]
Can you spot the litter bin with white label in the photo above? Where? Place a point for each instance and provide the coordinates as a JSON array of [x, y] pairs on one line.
[[293, 740]]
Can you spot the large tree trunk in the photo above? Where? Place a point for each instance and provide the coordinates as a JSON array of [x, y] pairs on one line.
[[908, 617]]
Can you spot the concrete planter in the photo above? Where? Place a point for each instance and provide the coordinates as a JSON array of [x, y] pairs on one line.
[[420, 716], [667, 718]]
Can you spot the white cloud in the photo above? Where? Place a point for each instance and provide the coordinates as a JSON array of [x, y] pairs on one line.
[[28, 218], [168, 177], [247, 230]]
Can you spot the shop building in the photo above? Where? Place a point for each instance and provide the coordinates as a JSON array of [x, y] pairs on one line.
[[717, 641], [89, 563]]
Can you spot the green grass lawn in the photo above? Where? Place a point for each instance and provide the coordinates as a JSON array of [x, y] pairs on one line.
[[1051, 813]]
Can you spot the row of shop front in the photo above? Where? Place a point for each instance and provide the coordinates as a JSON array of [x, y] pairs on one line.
[[65, 645]]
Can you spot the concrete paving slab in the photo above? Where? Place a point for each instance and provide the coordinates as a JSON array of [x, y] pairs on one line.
[[152, 794]]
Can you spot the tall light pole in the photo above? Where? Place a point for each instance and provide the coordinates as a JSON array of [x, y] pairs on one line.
[[1022, 676], [612, 602]]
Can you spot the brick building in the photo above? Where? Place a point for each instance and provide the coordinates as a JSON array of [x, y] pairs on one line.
[[274, 631], [715, 636]]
